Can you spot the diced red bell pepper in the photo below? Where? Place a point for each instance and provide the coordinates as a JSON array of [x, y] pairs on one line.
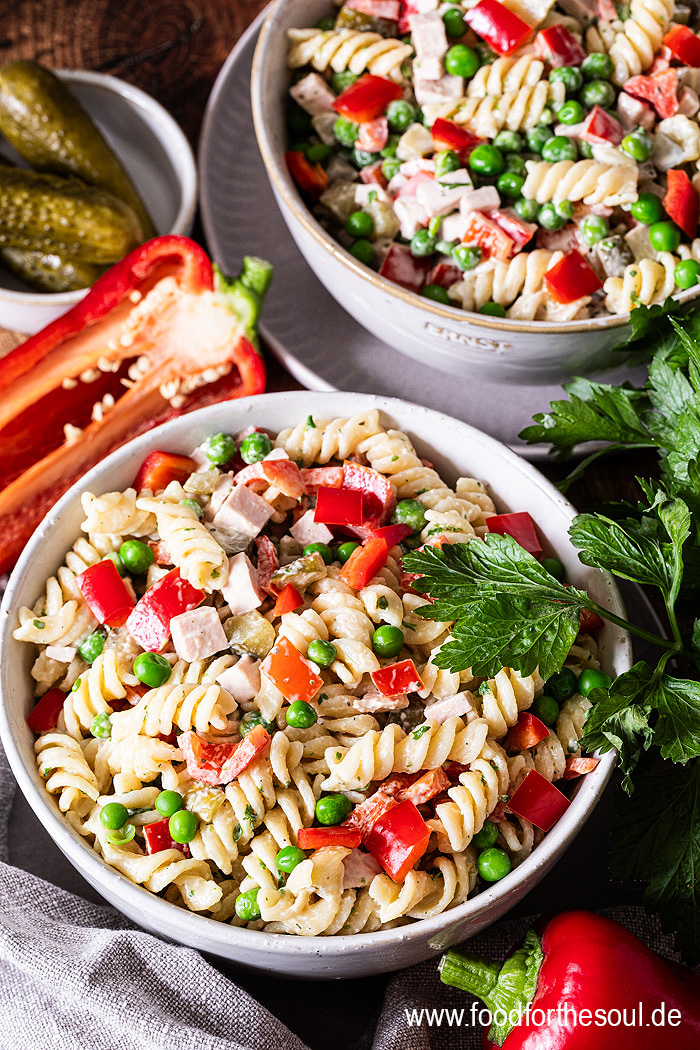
[[401, 677], [288, 600], [364, 563], [338, 507], [518, 230], [142, 307], [445, 274], [393, 534], [373, 135], [160, 468], [367, 98], [579, 765], [488, 235], [684, 44], [398, 840], [210, 763], [538, 801], [157, 836], [520, 526], [149, 622], [105, 593], [364, 815], [379, 498], [681, 201], [558, 47], [403, 268], [316, 838], [290, 672], [428, 786], [527, 732], [322, 477], [661, 90], [571, 278], [243, 753], [589, 621], [311, 178], [44, 715], [502, 30], [389, 9], [601, 126], [449, 135]]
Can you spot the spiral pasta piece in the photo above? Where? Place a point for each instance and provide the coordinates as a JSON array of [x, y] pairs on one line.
[[590, 181], [473, 799], [92, 693], [505, 696], [516, 284], [200, 558], [426, 893], [633, 44], [186, 706], [67, 773], [488, 114], [328, 438], [644, 282], [115, 514], [142, 759], [343, 49]]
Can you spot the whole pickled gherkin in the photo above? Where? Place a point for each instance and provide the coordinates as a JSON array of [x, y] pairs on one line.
[[51, 131], [50, 272], [49, 214]]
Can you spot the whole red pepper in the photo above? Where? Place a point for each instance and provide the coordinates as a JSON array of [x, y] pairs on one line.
[[582, 982]]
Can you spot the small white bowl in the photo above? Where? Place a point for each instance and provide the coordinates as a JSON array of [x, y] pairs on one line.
[[156, 155], [445, 337], [455, 448]]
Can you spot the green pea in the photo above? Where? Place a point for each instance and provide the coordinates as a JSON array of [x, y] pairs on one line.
[[508, 142], [255, 446], [390, 168], [493, 309], [400, 115], [445, 247], [91, 647], [488, 836], [516, 164], [510, 185], [332, 809], [461, 61], [446, 161], [454, 22], [322, 653], [637, 146], [537, 137], [114, 816], [565, 209], [390, 148], [325, 24], [554, 567], [289, 857], [594, 228], [194, 505], [664, 236], [247, 907], [597, 93], [571, 112], [183, 826], [138, 557], [320, 548], [101, 725], [546, 709], [437, 293], [570, 77], [363, 251], [120, 566], [527, 210], [345, 550], [346, 132], [549, 218], [589, 680], [122, 835], [298, 121], [562, 685], [318, 153], [250, 720], [597, 66], [493, 864], [76, 685], [487, 160], [152, 669], [169, 802], [219, 448], [387, 640], [362, 158], [341, 81], [409, 512], [301, 715], [647, 209], [559, 147], [467, 256], [687, 273], [422, 243]]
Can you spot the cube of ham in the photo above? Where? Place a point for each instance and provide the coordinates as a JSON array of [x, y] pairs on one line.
[[359, 869], [63, 653], [313, 94], [198, 634], [241, 590], [441, 710], [306, 530], [240, 518], [429, 40], [242, 680], [222, 489]]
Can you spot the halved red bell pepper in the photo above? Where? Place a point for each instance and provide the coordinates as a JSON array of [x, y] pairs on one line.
[[489, 236], [448, 135], [364, 563], [398, 839], [157, 837], [160, 468], [165, 306], [316, 838], [311, 178], [538, 801], [367, 98], [527, 732], [44, 715], [379, 498], [520, 526], [338, 506], [571, 278], [558, 47], [288, 600], [661, 90], [601, 126], [105, 593], [291, 672], [684, 44], [579, 765], [589, 621], [681, 201], [394, 679], [502, 30], [211, 763], [149, 622]]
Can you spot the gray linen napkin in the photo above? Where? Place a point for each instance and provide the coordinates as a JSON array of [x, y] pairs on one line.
[[74, 974]]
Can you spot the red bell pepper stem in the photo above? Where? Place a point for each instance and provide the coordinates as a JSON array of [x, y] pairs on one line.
[[44, 715], [105, 593]]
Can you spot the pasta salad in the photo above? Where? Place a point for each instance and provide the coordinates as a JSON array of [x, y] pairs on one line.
[[240, 708], [528, 159]]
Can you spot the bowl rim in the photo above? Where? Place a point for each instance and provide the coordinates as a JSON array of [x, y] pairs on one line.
[[221, 936], [167, 131], [285, 188]]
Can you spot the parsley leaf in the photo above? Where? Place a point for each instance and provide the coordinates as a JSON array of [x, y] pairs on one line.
[[619, 719]]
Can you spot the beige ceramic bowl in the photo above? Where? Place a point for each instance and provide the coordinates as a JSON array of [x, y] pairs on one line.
[[455, 448]]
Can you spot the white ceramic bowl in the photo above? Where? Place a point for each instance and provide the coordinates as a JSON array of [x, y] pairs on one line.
[[156, 155], [455, 448], [453, 340]]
